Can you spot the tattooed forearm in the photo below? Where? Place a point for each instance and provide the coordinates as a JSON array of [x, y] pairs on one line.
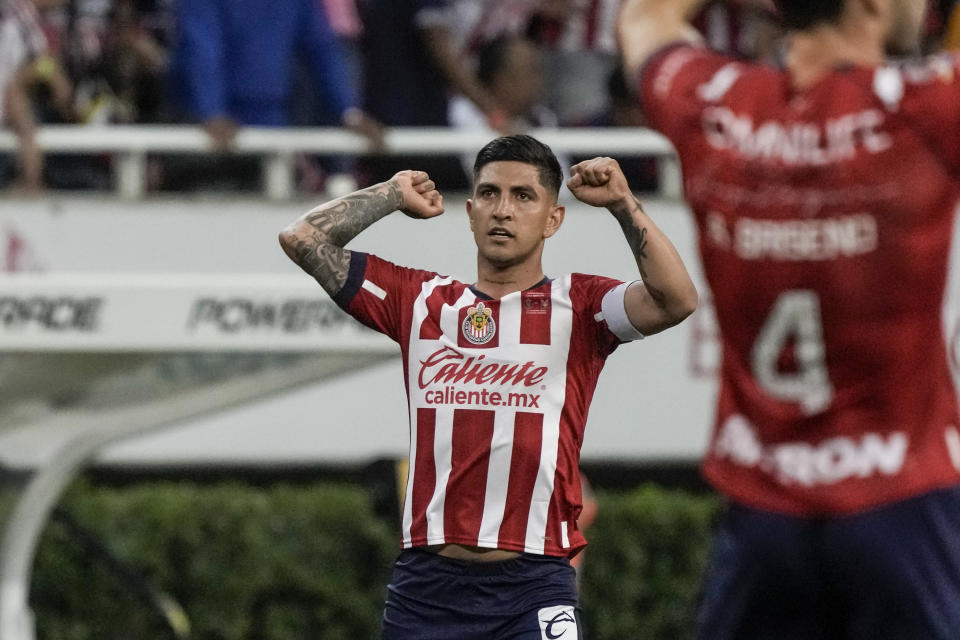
[[637, 238], [327, 263], [636, 235], [341, 220], [316, 240], [668, 294]]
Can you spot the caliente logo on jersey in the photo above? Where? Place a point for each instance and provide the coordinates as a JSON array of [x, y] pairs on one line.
[[479, 326]]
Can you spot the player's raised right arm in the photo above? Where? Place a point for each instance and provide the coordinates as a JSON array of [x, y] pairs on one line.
[[316, 240]]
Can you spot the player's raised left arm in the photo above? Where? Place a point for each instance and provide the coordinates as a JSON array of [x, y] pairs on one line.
[[667, 295], [316, 240]]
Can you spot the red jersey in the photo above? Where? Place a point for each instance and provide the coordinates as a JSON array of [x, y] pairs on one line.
[[498, 393], [825, 220]]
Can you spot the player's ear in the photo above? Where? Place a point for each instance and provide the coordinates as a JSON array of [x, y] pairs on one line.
[[554, 220], [470, 212]]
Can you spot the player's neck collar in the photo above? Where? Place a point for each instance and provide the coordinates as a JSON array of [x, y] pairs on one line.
[[482, 296]]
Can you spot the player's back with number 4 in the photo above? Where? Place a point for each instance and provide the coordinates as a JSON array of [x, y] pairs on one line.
[[825, 220]]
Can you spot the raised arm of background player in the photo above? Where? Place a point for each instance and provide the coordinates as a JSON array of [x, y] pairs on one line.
[[316, 240], [644, 26], [667, 294]]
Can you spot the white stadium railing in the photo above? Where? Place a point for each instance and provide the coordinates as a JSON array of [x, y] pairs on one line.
[[130, 145]]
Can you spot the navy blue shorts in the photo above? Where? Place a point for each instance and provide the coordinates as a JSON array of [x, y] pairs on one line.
[[530, 597], [891, 573]]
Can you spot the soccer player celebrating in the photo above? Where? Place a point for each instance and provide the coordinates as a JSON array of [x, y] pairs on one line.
[[824, 195], [499, 375]]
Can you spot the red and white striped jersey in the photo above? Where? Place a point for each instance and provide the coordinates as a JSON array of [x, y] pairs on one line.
[[498, 394]]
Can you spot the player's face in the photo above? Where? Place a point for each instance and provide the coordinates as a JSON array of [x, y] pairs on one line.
[[906, 25], [511, 213]]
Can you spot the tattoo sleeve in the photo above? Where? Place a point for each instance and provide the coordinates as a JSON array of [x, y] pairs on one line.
[[316, 240]]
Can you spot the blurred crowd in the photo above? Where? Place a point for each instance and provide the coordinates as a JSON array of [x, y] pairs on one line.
[[498, 65]]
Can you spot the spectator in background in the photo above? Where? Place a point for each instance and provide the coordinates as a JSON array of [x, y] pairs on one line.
[[742, 28], [28, 74], [332, 175], [83, 32], [624, 111], [134, 65], [404, 85], [469, 26], [510, 69], [234, 62], [580, 39], [115, 60], [472, 24], [943, 26], [445, 35], [345, 22], [111, 52], [581, 53], [415, 59], [309, 106]]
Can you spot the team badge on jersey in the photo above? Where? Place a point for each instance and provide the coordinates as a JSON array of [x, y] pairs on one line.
[[479, 326]]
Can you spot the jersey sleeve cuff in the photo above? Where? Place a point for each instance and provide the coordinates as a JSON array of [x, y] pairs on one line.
[[615, 314], [358, 266]]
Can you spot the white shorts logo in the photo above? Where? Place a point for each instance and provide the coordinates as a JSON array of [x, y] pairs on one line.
[[558, 623]]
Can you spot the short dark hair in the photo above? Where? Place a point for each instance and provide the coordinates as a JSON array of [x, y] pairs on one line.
[[526, 149], [803, 14]]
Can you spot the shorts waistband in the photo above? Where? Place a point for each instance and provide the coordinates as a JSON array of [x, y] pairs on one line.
[[434, 561]]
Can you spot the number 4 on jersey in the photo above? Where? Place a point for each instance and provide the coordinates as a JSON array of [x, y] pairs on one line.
[[794, 321]]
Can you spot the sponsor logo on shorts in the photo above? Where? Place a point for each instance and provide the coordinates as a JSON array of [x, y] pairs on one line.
[[558, 623]]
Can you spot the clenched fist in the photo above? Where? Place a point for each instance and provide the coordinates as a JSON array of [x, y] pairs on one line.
[[599, 182], [420, 196]]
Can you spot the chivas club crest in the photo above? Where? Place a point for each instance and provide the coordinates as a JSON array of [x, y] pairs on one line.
[[479, 326]]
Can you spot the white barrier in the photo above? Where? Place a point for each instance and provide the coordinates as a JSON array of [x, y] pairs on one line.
[[69, 312], [277, 147]]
